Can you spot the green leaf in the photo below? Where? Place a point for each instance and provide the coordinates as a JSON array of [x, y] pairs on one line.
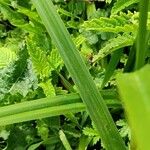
[[15, 74], [112, 66], [114, 44], [14, 142], [38, 56], [42, 113], [17, 19], [116, 23], [49, 102], [91, 10], [122, 4], [135, 93], [64, 140], [73, 119], [47, 88], [84, 142], [7, 56], [28, 12], [55, 61], [27, 82], [81, 76], [92, 133], [42, 129], [124, 130], [35, 146], [14, 17]]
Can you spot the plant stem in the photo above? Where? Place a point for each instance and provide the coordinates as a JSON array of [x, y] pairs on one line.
[[142, 40]]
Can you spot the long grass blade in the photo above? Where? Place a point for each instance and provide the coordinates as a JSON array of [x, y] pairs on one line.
[[112, 66], [87, 89], [110, 100], [39, 104], [42, 113], [142, 40]]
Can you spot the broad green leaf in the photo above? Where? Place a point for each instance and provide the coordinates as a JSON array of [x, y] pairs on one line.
[[135, 93], [80, 74]]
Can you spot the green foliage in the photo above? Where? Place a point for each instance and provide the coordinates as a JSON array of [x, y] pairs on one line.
[[115, 57], [113, 44], [42, 129], [137, 93], [122, 4], [38, 56], [64, 140], [55, 60], [28, 82], [124, 130], [6, 57], [12, 80], [124, 26], [92, 132], [40, 107], [60, 104], [14, 17], [47, 88], [82, 79], [116, 23]]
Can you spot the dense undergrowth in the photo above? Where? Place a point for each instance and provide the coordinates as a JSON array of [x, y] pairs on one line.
[[40, 105]]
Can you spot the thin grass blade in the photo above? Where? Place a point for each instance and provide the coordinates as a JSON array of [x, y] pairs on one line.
[[42, 113], [112, 66]]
